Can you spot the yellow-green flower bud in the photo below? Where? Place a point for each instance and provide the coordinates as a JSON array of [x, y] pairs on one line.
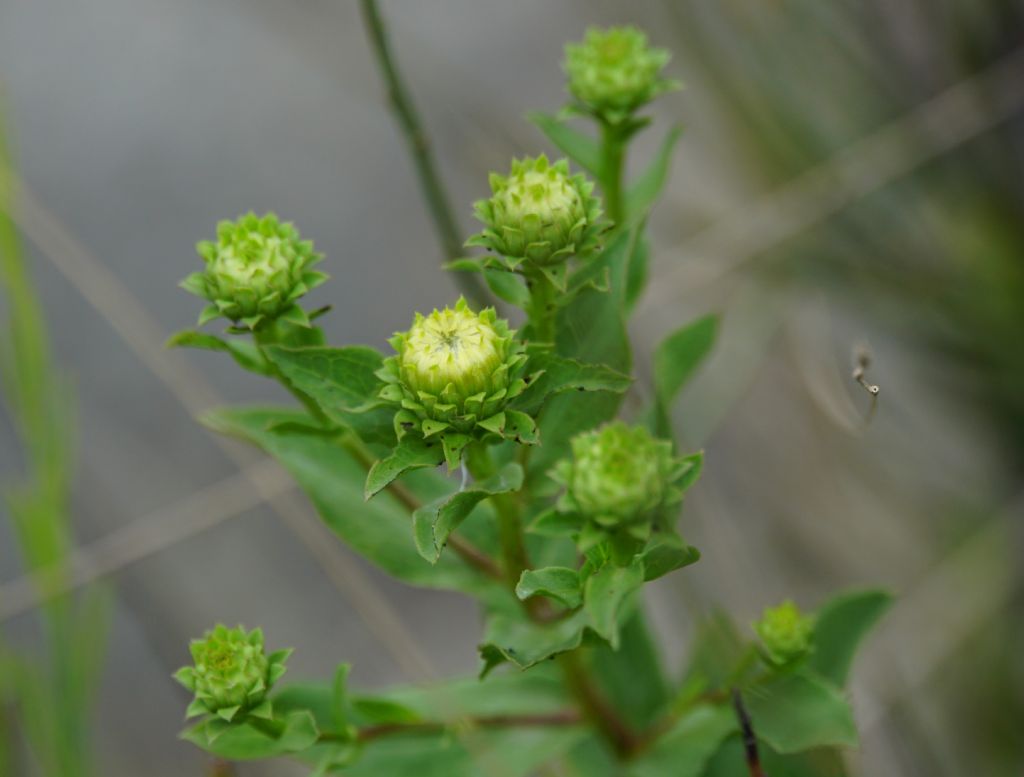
[[232, 674], [785, 632], [454, 373], [613, 72], [255, 271], [540, 214], [618, 474]]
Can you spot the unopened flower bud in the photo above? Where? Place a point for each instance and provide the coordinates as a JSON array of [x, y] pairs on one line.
[[232, 674], [613, 72], [255, 271], [540, 214], [785, 632], [454, 371]]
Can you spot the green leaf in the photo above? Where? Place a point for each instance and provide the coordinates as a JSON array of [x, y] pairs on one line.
[[840, 625], [644, 192], [508, 286], [666, 556], [379, 710], [716, 650], [410, 453], [434, 523], [244, 352], [800, 711], [526, 643], [686, 749], [249, 740], [378, 530], [343, 384], [559, 583], [636, 273], [553, 523], [675, 361], [581, 149], [560, 374], [632, 676], [607, 595]]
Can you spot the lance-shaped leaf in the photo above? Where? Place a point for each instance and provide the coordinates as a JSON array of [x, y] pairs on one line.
[[643, 192], [342, 382], [839, 626], [434, 523], [559, 374], [607, 597], [686, 748], [675, 361], [526, 643], [410, 453], [667, 555], [244, 352], [800, 711], [559, 583], [580, 148], [243, 741]]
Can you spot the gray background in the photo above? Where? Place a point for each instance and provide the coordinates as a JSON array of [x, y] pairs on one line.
[[141, 123]]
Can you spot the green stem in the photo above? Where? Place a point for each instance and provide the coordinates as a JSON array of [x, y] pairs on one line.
[[506, 508], [369, 733], [613, 149], [419, 148], [596, 707], [543, 307]]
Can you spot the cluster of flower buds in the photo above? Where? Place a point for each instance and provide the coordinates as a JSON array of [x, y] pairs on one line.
[[232, 674], [539, 214], [614, 72], [619, 480], [452, 376], [785, 633], [255, 272]]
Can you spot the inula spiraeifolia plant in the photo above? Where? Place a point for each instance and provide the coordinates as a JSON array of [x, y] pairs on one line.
[[494, 462]]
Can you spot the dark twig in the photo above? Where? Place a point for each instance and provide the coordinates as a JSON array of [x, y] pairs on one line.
[[369, 733], [749, 738], [419, 148]]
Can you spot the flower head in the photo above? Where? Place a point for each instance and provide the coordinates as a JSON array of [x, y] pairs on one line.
[[232, 674], [613, 72], [453, 375], [255, 271], [785, 632], [540, 214], [619, 474]]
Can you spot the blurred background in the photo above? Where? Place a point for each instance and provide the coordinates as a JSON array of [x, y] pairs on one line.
[[852, 173]]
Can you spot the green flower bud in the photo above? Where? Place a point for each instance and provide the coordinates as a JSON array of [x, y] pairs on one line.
[[232, 674], [454, 373], [785, 632], [613, 72], [619, 474], [539, 214], [255, 272]]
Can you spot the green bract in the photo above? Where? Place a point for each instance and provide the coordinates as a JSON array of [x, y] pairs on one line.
[[785, 632], [453, 373], [232, 674], [539, 214], [255, 272], [613, 72]]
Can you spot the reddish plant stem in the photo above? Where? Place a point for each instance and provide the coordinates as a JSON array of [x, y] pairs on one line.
[[749, 738]]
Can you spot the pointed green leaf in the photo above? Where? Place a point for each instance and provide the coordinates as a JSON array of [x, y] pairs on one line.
[[553, 523], [410, 453], [560, 374], [526, 643], [580, 148], [244, 352], [686, 748], [559, 583], [840, 625], [508, 286], [608, 595], [342, 381], [675, 360], [666, 556], [243, 741], [800, 711], [434, 523], [643, 192]]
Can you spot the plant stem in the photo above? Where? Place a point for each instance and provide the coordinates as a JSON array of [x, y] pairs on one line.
[[506, 509], [419, 148], [369, 733], [542, 307], [613, 150], [749, 738], [596, 707]]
